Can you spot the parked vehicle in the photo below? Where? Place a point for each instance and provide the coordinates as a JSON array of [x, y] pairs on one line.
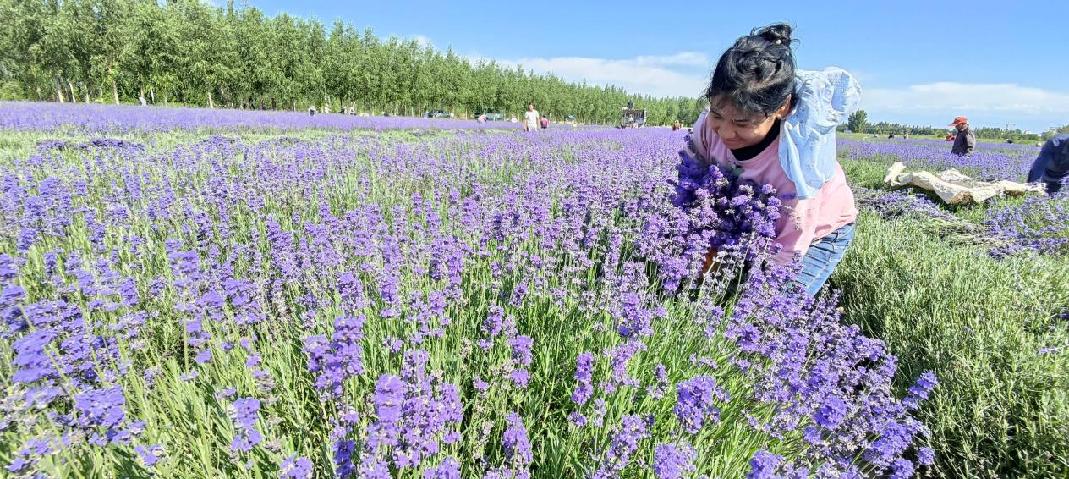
[[437, 114]]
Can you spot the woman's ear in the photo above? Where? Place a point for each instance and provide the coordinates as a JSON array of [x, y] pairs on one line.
[[785, 110]]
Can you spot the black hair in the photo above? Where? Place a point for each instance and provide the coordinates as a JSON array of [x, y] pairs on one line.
[[757, 72]]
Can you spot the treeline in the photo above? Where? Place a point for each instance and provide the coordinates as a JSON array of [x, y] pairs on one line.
[[190, 52], [884, 129]]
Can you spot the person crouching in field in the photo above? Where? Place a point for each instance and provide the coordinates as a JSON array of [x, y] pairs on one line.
[[1052, 166], [775, 125]]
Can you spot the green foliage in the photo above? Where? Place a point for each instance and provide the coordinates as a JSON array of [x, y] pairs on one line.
[[857, 121], [884, 128], [189, 52], [989, 329], [1056, 131]]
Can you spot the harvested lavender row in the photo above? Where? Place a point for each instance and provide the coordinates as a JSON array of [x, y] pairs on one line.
[[989, 161]]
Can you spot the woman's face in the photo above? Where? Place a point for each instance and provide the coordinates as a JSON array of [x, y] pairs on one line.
[[740, 129]]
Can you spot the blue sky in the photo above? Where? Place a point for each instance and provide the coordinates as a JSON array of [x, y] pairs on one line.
[[919, 62]]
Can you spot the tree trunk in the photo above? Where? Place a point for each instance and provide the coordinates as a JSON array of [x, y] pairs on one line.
[[211, 104], [141, 95], [152, 96], [115, 91], [74, 95], [59, 91]]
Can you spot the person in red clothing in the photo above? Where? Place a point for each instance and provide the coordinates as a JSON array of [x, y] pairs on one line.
[[964, 141], [544, 122]]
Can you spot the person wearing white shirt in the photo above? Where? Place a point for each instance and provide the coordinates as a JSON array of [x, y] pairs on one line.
[[530, 118]]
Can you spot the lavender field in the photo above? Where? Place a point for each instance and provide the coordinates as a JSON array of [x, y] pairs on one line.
[[211, 293]]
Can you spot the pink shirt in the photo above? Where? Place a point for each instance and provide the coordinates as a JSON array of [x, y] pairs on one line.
[[804, 222]]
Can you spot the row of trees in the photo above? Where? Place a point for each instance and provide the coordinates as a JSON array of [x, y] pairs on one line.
[[190, 52], [858, 122]]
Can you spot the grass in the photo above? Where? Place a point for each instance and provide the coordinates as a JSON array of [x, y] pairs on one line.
[[989, 329]]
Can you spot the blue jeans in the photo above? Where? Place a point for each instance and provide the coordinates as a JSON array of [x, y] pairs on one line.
[[822, 258]]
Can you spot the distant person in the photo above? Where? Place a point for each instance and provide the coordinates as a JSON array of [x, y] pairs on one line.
[[530, 118], [630, 104], [775, 125], [1052, 166], [544, 123], [482, 118], [964, 141], [676, 125], [312, 110]]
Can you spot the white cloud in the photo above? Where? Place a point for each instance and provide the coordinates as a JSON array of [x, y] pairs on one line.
[[422, 40], [686, 73], [679, 74], [985, 104], [692, 59]]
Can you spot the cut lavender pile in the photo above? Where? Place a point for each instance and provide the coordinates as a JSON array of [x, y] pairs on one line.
[[1039, 224]]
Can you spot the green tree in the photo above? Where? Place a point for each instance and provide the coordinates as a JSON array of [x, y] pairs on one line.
[[194, 52], [857, 121]]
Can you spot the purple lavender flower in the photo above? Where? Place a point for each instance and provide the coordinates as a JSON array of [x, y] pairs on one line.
[[101, 408], [660, 374], [494, 321], [619, 358], [340, 358], [149, 455], [246, 411], [343, 458], [584, 378], [449, 468], [625, 442], [696, 402], [902, 469], [920, 390], [203, 356], [577, 419], [925, 456], [521, 350], [673, 461], [295, 467], [515, 442], [389, 398], [832, 413], [764, 465], [520, 377]]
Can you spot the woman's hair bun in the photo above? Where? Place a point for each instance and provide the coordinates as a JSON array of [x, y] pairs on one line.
[[757, 72], [779, 33]]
